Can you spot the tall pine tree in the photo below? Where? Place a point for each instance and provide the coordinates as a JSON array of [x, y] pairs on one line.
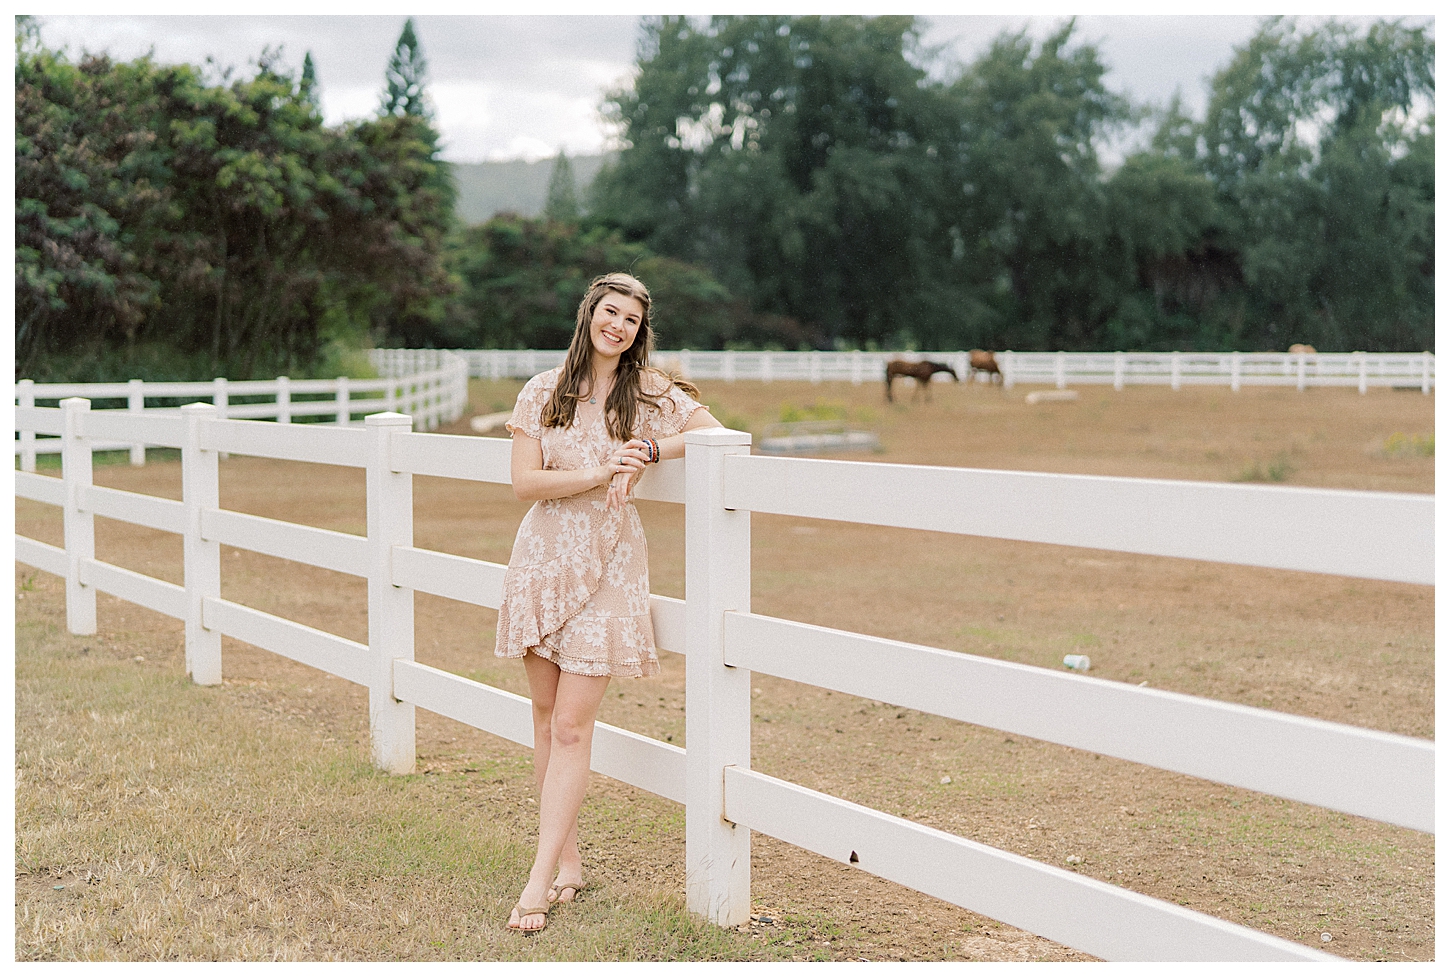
[[562, 202], [307, 88], [406, 70]]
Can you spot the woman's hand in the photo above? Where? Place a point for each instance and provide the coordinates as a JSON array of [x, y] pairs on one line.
[[627, 464]]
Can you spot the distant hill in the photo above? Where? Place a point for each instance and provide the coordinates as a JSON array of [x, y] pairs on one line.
[[485, 189]]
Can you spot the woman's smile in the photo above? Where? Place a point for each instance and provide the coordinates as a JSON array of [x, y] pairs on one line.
[[615, 324]]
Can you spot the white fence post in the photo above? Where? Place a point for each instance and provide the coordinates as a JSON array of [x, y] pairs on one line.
[[219, 401], [815, 366], [1118, 362], [25, 391], [717, 696], [1425, 374], [284, 401], [1007, 366], [1363, 372], [201, 558], [135, 403], [1302, 359], [767, 367], [1060, 369], [344, 403], [79, 526], [1175, 380], [1235, 371], [390, 608]]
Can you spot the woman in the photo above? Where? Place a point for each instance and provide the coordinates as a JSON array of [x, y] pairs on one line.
[[576, 592]]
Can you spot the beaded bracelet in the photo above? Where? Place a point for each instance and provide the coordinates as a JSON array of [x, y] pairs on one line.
[[654, 449]]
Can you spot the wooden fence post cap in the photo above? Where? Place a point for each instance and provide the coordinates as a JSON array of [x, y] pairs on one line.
[[717, 436]]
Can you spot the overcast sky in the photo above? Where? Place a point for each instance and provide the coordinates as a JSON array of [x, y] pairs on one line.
[[506, 87]]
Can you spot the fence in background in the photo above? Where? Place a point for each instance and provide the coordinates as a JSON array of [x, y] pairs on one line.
[[1364, 772], [429, 384], [1234, 370]]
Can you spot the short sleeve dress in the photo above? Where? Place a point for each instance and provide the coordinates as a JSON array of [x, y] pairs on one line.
[[576, 591]]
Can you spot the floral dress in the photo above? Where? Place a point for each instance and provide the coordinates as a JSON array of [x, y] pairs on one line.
[[577, 586]]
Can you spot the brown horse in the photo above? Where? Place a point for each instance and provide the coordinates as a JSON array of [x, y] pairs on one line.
[[983, 361], [921, 372]]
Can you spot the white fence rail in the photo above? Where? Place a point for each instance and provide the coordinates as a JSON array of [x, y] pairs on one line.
[[1234, 370], [1358, 771], [429, 384]]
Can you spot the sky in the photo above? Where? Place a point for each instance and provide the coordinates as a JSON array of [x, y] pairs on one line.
[[511, 87]]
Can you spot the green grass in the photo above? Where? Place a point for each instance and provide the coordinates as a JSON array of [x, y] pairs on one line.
[[156, 819]]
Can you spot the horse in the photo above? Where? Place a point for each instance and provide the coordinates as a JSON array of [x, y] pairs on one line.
[[921, 372], [983, 361]]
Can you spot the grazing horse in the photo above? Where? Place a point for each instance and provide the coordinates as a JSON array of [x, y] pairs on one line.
[[922, 372], [983, 361]]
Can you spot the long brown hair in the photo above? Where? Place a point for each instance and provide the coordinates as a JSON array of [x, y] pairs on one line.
[[621, 405]]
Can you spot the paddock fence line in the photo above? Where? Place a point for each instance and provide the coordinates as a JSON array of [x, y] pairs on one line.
[[1363, 772], [1234, 370], [429, 384]]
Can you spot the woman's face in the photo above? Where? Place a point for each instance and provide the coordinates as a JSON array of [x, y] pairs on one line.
[[615, 324]]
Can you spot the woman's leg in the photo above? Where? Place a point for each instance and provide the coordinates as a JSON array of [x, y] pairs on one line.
[[571, 725], [543, 688]]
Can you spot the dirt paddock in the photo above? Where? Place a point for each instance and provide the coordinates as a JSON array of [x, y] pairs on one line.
[[1351, 651]]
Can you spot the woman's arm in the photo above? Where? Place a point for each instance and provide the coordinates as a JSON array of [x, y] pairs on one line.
[[532, 481]]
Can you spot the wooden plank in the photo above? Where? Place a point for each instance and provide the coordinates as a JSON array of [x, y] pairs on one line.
[[42, 556], [668, 617], [158, 595], [664, 482], [452, 456], [41, 420], [154, 428], [319, 649], [324, 548], [1377, 535], [1345, 768], [1104, 920], [619, 753], [317, 443], [167, 515], [39, 488], [455, 577]]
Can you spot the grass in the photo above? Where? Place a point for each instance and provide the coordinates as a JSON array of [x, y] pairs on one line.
[[1399, 445], [146, 829], [1277, 470]]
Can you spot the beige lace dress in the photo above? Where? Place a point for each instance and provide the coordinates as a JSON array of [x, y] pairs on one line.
[[577, 586]]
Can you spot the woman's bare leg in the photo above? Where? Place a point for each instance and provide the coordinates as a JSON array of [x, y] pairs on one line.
[[576, 701], [543, 687]]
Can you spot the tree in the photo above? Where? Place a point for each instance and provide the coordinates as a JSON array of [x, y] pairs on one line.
[[405, 74], [307, 87], [788, 156], [1315, 143], [562, 201]]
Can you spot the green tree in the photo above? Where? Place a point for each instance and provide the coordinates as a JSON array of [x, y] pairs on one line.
[[787, 155], [406, 71], [307, 88], [1315, 142], [562, 201], [166, 226]]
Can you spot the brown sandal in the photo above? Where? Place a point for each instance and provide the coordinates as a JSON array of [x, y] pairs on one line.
[[523, 911], [556, 891]]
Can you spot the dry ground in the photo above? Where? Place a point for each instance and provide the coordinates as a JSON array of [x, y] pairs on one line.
[[1345, 650]]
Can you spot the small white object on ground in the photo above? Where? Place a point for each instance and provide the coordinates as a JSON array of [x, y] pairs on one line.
[[1078, 663], [1325, 937], [1043, 396], [946, 780]]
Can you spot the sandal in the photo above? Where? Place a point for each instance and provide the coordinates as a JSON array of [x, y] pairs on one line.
[[557, 890], [523, 911]]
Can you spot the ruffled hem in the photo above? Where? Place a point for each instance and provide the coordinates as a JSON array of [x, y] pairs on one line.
[[577, 645]]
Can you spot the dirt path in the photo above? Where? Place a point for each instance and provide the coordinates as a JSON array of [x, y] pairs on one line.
[[1351, 651]]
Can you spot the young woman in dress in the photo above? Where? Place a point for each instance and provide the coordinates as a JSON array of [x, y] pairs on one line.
[[576, 592]]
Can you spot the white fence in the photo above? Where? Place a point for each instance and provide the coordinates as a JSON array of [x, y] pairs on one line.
[[1234, 370], [1359, 771], [429, 384]]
